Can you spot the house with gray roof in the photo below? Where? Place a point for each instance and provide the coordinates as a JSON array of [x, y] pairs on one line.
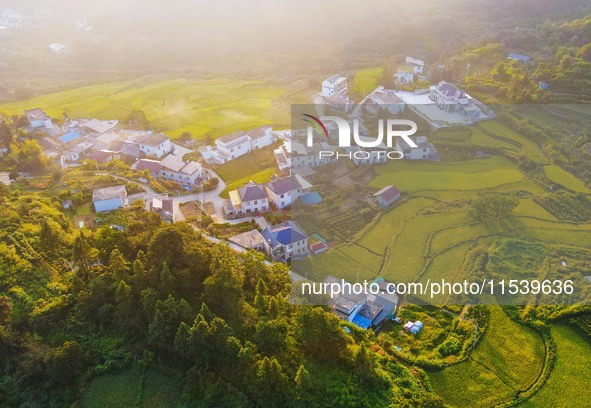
[[285, 191], [448, 97], [250, 198], [175, 169], [156, 144]]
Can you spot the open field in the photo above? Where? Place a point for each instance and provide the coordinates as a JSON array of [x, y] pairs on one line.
[[467, 175], [568, 385], [366, 80], [558, 175], [257, 166], [508, 359], [200, 107]]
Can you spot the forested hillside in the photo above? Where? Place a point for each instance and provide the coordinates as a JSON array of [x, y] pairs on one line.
[[139, 294]]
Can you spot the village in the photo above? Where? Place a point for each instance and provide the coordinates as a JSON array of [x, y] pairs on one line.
[[74, 142]]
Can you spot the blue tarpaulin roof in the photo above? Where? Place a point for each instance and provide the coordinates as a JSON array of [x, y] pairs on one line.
[[68, 137], [311, 198], [361, 321]]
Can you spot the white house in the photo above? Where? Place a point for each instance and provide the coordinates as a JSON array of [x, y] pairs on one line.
[[175, 169], [249, 198], [334, 85], [387, 196], [385, 99], [232, 146], [109, 198], [416, 64], [283, 192], [448, 97], [239, 143], [162, 206], [423, 151], [404, 75], [156, 144], [285, 241], [293, 154], [261, 137]]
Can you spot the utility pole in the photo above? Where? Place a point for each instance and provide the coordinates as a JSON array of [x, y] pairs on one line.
[[475, 335]]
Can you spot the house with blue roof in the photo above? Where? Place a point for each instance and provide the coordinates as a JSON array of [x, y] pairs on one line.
[[520, 57], [366, 310], [285, 241]]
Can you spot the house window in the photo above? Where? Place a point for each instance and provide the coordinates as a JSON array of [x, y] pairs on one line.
[[282, 195], [256, 202]]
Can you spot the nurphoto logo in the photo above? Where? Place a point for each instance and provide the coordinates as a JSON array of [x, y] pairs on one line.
[[388, 129]]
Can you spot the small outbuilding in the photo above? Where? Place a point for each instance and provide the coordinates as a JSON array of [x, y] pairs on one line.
[[387, 196], [109, 198]]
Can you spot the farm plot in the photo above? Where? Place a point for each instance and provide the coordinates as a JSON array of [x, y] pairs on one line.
[[380, 235], [201, 107], [567, 207], [571, 375], [406, 258], [528, 147], [508, 359], [558, 175], [467, 175]]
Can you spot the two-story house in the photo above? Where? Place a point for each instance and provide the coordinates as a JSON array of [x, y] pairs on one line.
[[175, 169], [423, 151], [334, 85], [448, 97], [232, 146], [286, 241], [261, 137], [283, 192], [156, 144], [250, 198]]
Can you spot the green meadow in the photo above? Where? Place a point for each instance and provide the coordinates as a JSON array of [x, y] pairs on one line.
[[214, 106]]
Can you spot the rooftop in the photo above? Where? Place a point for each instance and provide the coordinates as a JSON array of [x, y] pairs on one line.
[[284, 185], [101, 126], [155, 139], [36, 114], [108, 193], [414, 61], [173, 163], [248, 239], [284, 234], [233, 138], [252, 191], [388, 193], [151, 165]]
